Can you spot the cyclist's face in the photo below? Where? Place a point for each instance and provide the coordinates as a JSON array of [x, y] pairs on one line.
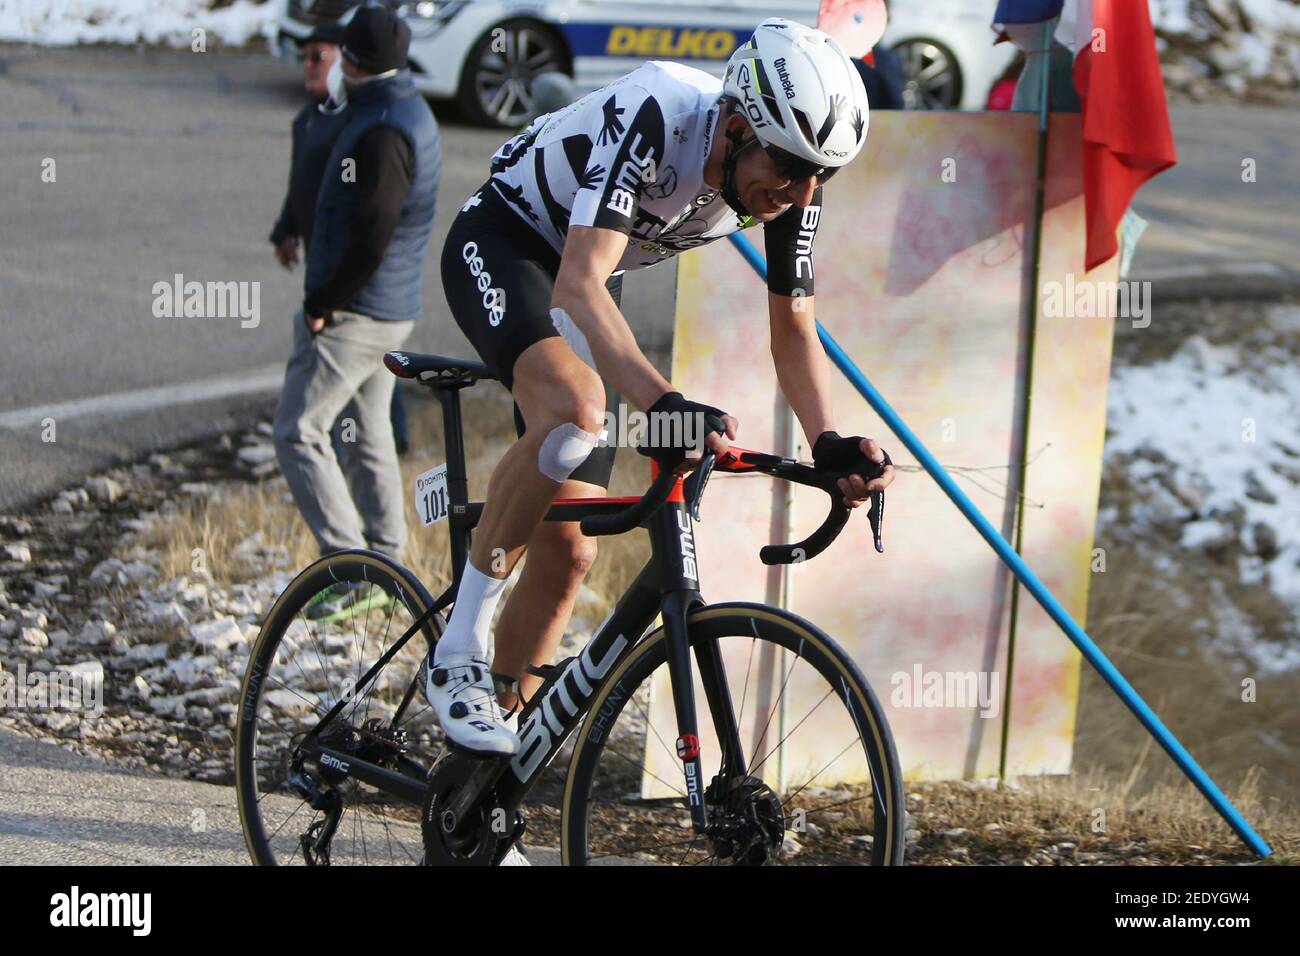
[[765, 189]]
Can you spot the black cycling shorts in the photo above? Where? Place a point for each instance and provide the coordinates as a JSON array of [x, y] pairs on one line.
[[498, 275]]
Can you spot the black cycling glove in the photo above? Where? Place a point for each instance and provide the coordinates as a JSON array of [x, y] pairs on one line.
[[670, 438], [834, 453]]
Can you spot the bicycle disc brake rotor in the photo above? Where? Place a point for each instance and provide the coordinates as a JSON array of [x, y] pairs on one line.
[[471, 842], [748, 822]]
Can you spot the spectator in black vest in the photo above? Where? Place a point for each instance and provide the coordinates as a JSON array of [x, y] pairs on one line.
[[315, 128]]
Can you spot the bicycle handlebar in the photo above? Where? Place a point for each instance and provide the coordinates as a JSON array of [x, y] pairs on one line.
[[627, 519], [742, 460]]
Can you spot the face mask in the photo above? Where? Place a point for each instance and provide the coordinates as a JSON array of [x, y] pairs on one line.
[[334, 82]]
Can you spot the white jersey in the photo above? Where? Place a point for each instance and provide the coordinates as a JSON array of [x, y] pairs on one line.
[[630, 157]]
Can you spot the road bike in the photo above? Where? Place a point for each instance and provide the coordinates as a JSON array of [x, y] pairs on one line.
[[790, 761]]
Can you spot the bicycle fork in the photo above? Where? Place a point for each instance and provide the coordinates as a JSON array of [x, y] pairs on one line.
[[681, 593]]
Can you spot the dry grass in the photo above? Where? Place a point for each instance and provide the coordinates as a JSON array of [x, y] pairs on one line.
[[1093, 817]]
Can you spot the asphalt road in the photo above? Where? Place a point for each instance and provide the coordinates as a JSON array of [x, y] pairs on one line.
[[170, 162]]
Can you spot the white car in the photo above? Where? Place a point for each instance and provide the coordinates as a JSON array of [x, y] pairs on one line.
[[484, 53]]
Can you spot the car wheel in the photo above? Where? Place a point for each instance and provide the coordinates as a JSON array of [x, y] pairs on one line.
[[932, 79], [494, 87]]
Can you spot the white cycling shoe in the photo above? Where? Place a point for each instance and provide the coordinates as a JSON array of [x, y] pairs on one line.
[[461, 692], [514, 857]]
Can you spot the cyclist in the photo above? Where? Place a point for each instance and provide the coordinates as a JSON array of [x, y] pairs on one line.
[[626, 177]]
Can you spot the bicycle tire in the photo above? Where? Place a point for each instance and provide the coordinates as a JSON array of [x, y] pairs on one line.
[[756, 623], [345, 569]]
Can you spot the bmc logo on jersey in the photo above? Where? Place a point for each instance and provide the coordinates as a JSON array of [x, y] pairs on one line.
[[637, 171], [494, 299], [804, 241]]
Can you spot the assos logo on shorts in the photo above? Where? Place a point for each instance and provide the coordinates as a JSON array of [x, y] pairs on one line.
[[494, 300]]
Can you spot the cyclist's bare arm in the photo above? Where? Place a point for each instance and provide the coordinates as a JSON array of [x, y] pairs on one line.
[[802, 367], [804, 373], [590, 255]]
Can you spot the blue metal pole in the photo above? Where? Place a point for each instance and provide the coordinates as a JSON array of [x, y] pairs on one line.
[[1026, 576]]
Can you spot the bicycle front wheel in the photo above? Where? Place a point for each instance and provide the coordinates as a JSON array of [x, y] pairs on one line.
[[818, 782]]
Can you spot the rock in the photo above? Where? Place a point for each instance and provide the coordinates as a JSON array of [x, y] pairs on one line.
[[107, 572], [18, 527], [59, 637], [791, 846], [33, 617], [59, 722], [188, 670], [1263, 540], [45, 589], [147, 652], [1256, 491], [34, 637], [104, 490], [171, 705], [259, 454], [19, 552], [76, 497], [221, 633], [957, 833], [91, 668], [96, 631], [119, 645], [8, 628], [61, 506], [168, 614], [140, 687], [207, 697]]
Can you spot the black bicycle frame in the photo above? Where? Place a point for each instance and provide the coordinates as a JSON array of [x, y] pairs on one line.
[[668, 585]]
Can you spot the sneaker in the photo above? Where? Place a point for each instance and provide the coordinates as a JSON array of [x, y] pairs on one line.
[[461, 693], [514, 857]]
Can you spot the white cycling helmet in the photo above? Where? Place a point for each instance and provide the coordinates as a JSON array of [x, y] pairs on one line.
[[801, 94]]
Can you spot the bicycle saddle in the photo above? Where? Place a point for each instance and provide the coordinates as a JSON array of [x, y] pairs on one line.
[[436, 370]]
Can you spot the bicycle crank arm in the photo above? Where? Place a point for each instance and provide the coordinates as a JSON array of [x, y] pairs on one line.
[[485, 773]]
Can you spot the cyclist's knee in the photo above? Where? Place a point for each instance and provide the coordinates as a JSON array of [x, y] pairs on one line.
[[570, 427], [563, 550]]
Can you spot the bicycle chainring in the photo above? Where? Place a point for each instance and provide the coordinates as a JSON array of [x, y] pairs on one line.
[[473, 843]]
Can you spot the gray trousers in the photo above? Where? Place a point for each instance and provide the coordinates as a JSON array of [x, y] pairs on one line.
[[341, 370]]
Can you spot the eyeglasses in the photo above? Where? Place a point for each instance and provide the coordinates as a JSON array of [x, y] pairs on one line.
[[797, 169]]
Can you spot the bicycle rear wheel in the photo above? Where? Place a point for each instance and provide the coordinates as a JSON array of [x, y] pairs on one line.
[[820, 781], [333, 622]]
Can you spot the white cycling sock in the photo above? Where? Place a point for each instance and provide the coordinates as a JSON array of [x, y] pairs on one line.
[[471, 616]]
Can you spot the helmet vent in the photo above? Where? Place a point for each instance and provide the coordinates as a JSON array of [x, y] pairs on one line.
[[765, 91], [805, 126]]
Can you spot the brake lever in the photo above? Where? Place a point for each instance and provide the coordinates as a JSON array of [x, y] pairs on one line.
[[695, 484], [876, 517]]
